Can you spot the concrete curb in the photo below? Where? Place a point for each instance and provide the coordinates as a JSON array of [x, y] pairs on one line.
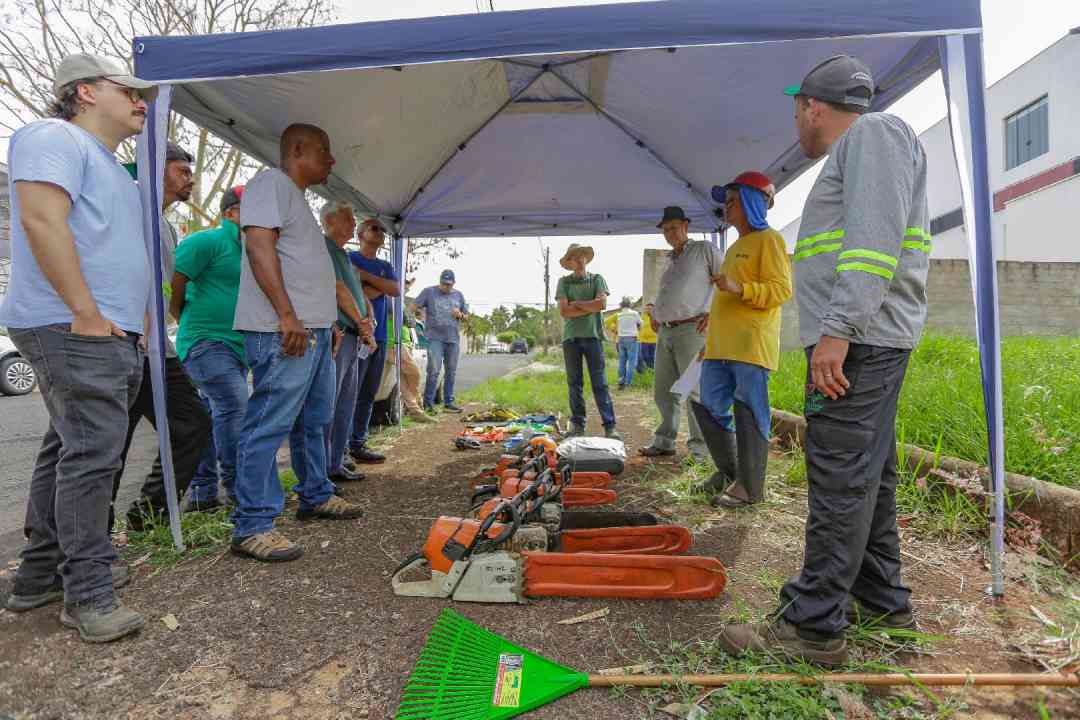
[[1057, 508]]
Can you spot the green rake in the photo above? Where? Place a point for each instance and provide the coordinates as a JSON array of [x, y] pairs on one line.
[[466, 672]]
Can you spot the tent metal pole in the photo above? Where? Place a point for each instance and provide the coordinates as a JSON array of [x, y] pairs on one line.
[[151, 169], [965, 91]]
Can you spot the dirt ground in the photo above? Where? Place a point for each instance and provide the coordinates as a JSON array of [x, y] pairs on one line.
[[325, 638]]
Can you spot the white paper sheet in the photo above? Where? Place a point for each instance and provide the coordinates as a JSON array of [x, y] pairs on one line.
[[689, 381]]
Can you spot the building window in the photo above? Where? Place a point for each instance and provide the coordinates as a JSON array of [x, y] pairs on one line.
[[1027, 133]]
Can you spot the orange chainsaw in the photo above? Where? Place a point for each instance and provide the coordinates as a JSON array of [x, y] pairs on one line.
[[487, 561], [538, 453], [579, 489]]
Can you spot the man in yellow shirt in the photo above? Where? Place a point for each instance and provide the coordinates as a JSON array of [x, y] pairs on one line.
[[646, 338], [743, 344]]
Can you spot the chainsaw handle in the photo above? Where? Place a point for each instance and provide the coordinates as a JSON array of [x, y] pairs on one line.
[[506, 533]]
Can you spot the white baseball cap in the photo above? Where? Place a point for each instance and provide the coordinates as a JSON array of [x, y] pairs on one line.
[[81, 66]]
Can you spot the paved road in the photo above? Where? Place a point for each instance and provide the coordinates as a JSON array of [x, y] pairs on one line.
[[23, 421]]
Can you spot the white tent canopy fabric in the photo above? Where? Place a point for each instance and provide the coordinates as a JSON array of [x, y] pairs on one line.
[[575, 121]]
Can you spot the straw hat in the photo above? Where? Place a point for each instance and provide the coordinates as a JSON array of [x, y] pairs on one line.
[[576, 249]]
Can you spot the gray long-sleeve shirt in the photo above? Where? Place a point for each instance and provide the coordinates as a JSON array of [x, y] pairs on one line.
[[864, 242]]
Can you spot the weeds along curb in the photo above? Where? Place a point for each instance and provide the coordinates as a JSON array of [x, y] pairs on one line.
[[1057, 508]]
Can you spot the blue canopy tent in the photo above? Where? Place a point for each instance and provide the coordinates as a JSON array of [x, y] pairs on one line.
[[575, 121]]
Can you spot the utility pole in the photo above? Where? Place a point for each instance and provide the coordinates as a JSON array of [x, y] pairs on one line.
[[547, 296]]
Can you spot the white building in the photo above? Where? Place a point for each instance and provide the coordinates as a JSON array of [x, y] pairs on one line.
[[1033, 124]]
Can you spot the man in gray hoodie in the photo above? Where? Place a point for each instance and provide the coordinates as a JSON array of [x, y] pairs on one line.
[[860, 263]]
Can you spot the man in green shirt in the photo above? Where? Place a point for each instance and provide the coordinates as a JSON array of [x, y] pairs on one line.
[[582, 298], [204, 289], [357, 339]]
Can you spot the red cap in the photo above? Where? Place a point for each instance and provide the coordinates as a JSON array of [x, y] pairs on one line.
[[758, 181], [231, 197]]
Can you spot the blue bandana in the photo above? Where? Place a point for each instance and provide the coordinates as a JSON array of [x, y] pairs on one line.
[[755, 206]]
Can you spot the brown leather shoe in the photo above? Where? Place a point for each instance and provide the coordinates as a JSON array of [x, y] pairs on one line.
[[333, 509], [270, 546], [782, 639]]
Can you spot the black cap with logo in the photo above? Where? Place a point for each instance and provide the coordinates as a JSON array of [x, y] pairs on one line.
[[841, 79]]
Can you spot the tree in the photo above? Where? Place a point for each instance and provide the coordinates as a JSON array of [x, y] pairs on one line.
[[477, 329], [36, 34], [500, 319], [506, 337]]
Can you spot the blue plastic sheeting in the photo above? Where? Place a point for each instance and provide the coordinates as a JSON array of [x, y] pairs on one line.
[[675, 23], [562, 144]]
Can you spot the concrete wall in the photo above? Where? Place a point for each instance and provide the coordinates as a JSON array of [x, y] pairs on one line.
[[1037, 298]]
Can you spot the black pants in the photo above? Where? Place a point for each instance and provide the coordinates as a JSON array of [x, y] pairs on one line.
[[852, 544], [189, 432]]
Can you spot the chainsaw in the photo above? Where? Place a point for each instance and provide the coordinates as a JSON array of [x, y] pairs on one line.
[[487, 561], [582, 489]]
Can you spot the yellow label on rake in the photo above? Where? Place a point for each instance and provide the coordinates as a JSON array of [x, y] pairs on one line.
[[508, 682]]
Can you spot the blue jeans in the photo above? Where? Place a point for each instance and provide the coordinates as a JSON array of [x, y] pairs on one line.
[[294, 397], [440, 354], [628, 358], [725, 381], [646, 356], [591, 350], [221, 377], [368, 381], [348, 369]]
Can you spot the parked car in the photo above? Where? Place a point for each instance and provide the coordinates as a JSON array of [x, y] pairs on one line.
[[519, 346], [16, 374], [495, 349]]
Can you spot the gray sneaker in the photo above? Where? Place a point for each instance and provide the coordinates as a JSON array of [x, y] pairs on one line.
[[24, 597], [612, 434], [101, 619]]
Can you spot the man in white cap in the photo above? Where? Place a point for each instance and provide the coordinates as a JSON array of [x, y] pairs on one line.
[[582, 297], [79, 290]]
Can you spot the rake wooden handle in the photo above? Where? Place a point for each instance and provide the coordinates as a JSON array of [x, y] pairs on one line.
[[879, 679]]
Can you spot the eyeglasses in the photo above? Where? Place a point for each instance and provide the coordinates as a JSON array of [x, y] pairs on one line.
[[134, 94]]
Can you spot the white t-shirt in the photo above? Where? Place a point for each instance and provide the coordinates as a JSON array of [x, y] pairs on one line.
[[272, 200], [628, 323]]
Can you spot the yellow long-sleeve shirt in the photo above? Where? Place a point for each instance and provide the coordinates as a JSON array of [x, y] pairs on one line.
[[747, 328], [645, 333]]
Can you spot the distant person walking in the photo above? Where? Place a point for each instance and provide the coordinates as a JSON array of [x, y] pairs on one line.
[[627, 325], [646, 340], [444, 309]]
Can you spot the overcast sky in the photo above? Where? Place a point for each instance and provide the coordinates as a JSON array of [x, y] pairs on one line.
[[1014, 32]]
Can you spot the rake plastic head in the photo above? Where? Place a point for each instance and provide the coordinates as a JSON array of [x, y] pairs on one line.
[[466, 672]]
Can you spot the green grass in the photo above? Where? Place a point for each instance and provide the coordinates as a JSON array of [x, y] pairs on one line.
[[873, 652], [942, 406], [203, 533], [545, 390]]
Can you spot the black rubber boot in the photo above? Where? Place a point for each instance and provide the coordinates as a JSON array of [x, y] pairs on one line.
[[753, 454], [721, 444]]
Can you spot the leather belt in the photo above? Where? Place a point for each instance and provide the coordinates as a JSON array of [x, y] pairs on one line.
[[677, 323]]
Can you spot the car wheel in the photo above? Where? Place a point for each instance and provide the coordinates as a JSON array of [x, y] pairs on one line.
[[16, 376]]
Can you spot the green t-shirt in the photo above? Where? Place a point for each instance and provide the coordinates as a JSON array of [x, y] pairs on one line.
[[343, 271], [572, 287], [210, 260]]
